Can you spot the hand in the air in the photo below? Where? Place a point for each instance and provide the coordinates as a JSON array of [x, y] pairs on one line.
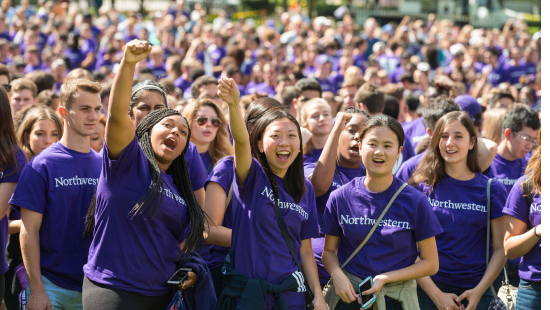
[[229, 91], [136, 51]]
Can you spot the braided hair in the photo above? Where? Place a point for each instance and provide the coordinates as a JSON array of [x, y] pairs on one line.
[[149, 204], [293, 181]]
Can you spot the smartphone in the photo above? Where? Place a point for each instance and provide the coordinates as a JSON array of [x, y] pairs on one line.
[[179, 276], [366, 300]]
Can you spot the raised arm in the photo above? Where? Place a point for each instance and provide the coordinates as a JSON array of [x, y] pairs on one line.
[[321, 179], [229, 92], [120, 130]]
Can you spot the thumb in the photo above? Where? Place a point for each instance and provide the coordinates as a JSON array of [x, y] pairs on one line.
[[461, 297]]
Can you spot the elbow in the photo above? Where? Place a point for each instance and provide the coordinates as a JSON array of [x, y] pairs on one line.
[[434, 268]]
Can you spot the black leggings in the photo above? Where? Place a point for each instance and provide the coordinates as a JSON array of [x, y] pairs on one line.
[[101, 297]]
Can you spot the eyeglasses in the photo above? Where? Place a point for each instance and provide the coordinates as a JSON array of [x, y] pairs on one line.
[[7, 87], [526, 138], [202, 120]]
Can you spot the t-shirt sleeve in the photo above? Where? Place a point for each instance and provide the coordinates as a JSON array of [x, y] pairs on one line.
[[8, 175], [405, 171], [498, 199], [330, 225], [197, 172], [310, 227], [31, 192], [222, 174], [308, 170], [516, 204], [426, 224], [128, 159]]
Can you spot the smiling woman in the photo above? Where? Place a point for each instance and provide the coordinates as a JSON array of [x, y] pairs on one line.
[[145, 222], [37, 128]]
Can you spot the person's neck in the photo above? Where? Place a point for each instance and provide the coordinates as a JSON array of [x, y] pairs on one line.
[[459, 171], [320, 75], [319, 141], [378, 184], [201, 148], [278, 172], [504, 151], [74, 141], [345, 163], [411, 116], [185, 76]]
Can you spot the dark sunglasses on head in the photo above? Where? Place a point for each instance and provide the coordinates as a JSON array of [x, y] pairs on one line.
[[201, 121], [7, 87]]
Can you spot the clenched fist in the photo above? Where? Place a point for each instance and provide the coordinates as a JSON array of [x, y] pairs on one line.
[[136, 51]]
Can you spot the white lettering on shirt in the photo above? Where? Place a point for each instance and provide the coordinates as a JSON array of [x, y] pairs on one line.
[[535, 207], [168, 193], [364, 220], [285, 205], [75, 181], [457, 205], [507, 181]]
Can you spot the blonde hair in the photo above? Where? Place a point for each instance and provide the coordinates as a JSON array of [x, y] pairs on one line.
[[304, 116], [220, 147], [352, 71], [26, 121], [69, 91], [492, 124]]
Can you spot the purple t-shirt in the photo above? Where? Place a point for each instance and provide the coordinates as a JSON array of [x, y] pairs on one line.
[[326, 85], [318, 244], [262, 88], [389, 63], [59, 184], [104, 63], [158, 71], [222, 173], [336, 79], [312, 156], [75, 57], [217, 54], [9, 175], [507, 172], [351, 212], [257, 242], [396, 74], [406, 170], [516, 206], [415, 131], [197, 173], [207, 161], [513, 73], [147, 247], [182, 83], [30, 68], [460, 207]]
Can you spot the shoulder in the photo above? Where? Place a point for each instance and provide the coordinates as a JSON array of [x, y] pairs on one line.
[[347, 190]]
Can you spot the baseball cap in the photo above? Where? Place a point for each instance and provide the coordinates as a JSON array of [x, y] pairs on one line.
[[469, 104]]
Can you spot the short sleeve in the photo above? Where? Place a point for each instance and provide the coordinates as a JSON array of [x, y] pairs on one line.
[[8, 175], [222, 174], [128, 160], [308, 170], [498, 199], [330, 225], [426, 223], [252, 178], [31, 192], [197, 172], [310, 227], [405, 171], [516, 204]]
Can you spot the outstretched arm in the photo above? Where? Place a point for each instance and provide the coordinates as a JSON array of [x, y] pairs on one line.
[[120, 130], [229, 92]]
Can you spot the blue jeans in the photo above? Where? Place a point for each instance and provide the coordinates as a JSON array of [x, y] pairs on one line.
[[219, 280], [61, 298], [391, 304], [529, 295], [426, 302]]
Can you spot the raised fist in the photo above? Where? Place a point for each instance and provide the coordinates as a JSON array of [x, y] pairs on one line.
[[136, 51]]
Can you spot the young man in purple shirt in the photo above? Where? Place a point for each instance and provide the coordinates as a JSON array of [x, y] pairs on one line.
[[184, 81], [395, 76], [513, 68], [269, 73], [53, 196], [337, 77], [32, 59], [323, 65], [390, 61], [157, 63]]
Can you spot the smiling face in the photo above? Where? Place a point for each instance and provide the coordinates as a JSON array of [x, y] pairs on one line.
[[206, 133], [168, 139], [379, 151], [319, 120], [280, 144], [348, 144], [96, 140], [455, 142], [150, 101], [42, 135]]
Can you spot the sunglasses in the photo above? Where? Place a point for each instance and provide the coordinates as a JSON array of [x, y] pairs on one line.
[[202, 120], [7, 87]]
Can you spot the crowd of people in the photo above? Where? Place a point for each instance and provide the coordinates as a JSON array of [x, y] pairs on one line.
[[284, 163]]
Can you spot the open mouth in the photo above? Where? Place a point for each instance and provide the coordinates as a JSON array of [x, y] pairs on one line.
[[378, 161], [170, 144], [354, 150], [451, 152], [283, 155]]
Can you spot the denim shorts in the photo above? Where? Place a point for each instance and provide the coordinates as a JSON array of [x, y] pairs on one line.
[[529, 295], [61, 298]]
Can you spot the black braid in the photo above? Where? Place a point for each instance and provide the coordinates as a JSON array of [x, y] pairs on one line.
[[150, 202]]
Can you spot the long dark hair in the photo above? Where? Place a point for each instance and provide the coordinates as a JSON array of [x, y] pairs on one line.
[[8, 141], [258, 108], [293, 181], [150, 202], [431, 168]]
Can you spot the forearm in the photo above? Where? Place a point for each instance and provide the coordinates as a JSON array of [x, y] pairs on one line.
[[238, 130], [219, 235], [88, 60], [428, 286], [321, 178], [520, 245], [422, 268], [119, 100], [30, 249], [493, 270], [330, 261], [310, 268], [14, 227]]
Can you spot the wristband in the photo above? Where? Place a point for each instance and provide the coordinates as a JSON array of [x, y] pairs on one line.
[[535, 231]]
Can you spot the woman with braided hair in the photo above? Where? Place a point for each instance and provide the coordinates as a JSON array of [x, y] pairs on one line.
[[271, 197], [143, 204]]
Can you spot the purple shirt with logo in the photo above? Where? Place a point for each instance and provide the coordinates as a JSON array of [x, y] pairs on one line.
[[59, 184], [516, 206], [507, 172], [415, 131], [461, 206], [351, 212]]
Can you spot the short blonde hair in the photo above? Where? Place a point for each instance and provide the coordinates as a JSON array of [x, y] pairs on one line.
[[69, 91], [78, 73], [22, 84]]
